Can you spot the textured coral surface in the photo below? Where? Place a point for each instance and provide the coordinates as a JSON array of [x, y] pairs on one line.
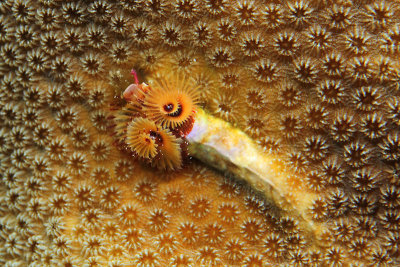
[[314, 82]]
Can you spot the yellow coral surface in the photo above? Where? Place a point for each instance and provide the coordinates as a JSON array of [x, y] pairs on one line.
[[316, 83]]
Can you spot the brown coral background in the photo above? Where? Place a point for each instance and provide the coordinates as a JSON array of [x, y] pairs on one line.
[[314, 82]]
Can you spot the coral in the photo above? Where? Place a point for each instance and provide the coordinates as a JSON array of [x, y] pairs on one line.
[[228, 212], [132, 238], [99, 150], [73, 12], [84, 196], [226, 30], [57, 148], [55, 96], [208, 256], [129, 214], [316, 117], [93, 246], [158, 220], [285, 43], [315, 84], [357, 41], [74, 38], [92, 64], [334, 256], [27, 36], [80, 137], [273, 245], [342, 127], [96, 36], [202, 34], [171, 33], [305, 70], [167, 243], [331, 92], [252, 230], [78, 163], [364, 180], [99, 120], [67, 118], [315, 147], [343, 231], [246, 12], [142, 33], [290, 125], [390, 196], [119, 52], [266, 71], [188, 232], [300, 13], [337, 203], [380, 257], [110, 198], [255, 125], [339, 16], [390, 42], [333, 64], [50, 42], [37, 208], [199, 207], [213, 234], [222, 106], [252, 44], [298, 258], [356, 154], [318, 38], [378, 15], [314, 181], [221, 57], [59, 204], [186, 9]]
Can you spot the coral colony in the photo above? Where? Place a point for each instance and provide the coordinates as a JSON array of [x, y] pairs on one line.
[[309, 87]]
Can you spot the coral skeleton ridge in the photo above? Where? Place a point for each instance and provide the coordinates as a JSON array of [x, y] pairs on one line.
[[312, 85]]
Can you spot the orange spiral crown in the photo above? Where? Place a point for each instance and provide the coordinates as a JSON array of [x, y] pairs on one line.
[[156, 118]]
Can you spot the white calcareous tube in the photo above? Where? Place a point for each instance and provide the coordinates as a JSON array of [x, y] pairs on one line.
[[229, 150]]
